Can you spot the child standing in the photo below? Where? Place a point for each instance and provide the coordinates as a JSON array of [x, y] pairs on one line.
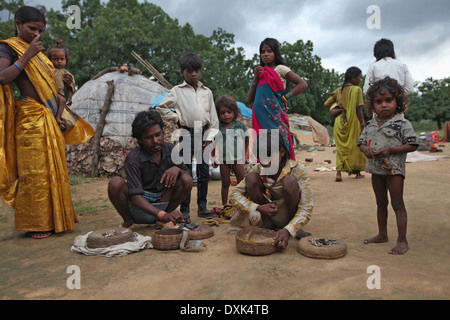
[[194, 104], [385, 141], [268, 92], [59, 56], [233, 134]]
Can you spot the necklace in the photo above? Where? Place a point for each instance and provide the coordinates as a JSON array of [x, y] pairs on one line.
[[267, 192]]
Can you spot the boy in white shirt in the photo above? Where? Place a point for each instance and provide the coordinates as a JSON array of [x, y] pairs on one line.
[[194, 104]]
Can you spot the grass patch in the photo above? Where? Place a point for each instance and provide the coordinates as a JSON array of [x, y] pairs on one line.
[[91, 206]]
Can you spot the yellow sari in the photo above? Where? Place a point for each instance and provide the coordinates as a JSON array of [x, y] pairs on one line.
[[346, 134], [33, 171]]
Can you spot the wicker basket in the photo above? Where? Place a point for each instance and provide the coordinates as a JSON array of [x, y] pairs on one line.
[[263, 246], [169, 239], [107, 237], [201, 232], [322, 247]]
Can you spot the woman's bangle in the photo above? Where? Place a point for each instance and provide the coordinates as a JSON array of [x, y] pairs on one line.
[[17, 64], [289, 95], [161, 214]]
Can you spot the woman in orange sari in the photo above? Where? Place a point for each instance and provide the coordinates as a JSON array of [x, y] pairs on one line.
[[33, 171]]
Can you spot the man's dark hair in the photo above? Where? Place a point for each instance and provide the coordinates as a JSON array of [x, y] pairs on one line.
[[383, 48], [190, 61], [143, 121]]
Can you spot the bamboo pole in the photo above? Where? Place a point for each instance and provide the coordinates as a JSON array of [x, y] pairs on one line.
[[152, 70]]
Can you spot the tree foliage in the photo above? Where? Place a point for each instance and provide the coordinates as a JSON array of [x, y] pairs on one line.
[[431, 101]]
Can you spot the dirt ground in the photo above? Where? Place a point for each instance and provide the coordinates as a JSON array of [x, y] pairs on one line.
[[38, 269]]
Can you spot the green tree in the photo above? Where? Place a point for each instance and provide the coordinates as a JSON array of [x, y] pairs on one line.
[[111, 30], [431, 101], [300, 58]]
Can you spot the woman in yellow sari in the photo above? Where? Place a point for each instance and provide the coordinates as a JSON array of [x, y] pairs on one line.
[[345, 105], [33, 171]]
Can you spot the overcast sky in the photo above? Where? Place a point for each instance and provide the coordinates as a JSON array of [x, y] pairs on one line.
[[338, 29]]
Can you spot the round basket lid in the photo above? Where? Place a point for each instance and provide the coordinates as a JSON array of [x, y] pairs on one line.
[[107, 237], [322, 247], [201, 232]]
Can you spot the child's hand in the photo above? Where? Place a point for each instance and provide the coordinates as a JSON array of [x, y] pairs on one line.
[[268, 209], [67, 79], [382, 153], [59, 121], [281, 239], [368, 152]]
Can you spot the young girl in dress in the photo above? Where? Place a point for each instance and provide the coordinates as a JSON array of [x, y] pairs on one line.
[[233, 146], [385, 141], [59, 56], [268, 92]]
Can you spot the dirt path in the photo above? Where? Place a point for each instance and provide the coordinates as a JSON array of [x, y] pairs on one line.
[[37, 269]]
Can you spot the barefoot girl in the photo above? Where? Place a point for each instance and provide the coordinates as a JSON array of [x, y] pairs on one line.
[[268, 92], [385, 141], [233, 148]]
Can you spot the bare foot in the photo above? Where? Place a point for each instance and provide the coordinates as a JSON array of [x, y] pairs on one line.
[[359, 176], [338, 177], [377, 239], [128, 225], [400, 248]]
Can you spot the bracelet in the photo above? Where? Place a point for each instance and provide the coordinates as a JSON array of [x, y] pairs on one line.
[[161, 214], [289, 95], [253, 84], [18, 66]]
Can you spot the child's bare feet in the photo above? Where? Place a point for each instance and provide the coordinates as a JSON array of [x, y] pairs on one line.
[[377, 239], [400, 248]]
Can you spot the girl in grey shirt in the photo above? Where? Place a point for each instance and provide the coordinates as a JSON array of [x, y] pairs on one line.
[[385, 141]]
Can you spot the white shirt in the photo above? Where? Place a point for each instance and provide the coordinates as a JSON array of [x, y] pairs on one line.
[[193, 105], [392, 68], [282, 70]]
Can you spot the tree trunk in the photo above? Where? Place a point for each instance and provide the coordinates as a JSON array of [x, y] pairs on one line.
[[100, 126]]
